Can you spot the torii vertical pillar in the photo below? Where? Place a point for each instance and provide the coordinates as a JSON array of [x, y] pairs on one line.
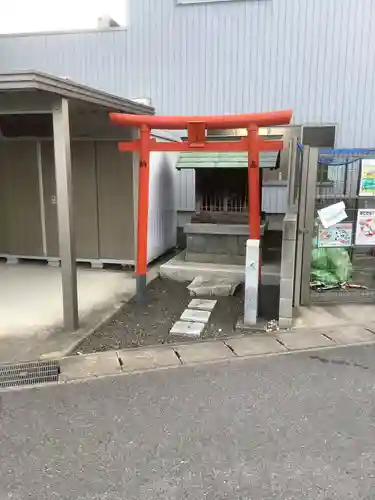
[[142, 223], [252, 266]]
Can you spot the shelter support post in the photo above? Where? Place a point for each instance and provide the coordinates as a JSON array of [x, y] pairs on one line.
[[253, 265], [61, 135], [142, 222]]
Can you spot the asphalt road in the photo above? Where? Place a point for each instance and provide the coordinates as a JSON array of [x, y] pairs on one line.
[[288, 427]]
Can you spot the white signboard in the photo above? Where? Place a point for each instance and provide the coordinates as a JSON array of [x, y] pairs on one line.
[[339, 235], [365, 231], [367, 181]]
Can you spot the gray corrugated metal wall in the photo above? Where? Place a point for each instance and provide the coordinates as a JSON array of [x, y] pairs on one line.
[[315, 56]]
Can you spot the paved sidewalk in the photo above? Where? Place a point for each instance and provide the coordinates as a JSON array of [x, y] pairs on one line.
[[31, 311], [142, 359], [334, 315], [27, 328]]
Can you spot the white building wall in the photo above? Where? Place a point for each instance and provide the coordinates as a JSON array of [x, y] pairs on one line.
[[162, 211], [313, 56]]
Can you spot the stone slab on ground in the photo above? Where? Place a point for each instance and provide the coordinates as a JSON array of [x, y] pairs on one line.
[[196, 315], [187, 329], [220, 287], [256, 344], [303, 339], [90, 365], [206, 351], [181, 270], [144, 359], [203, 304], [350, 334]]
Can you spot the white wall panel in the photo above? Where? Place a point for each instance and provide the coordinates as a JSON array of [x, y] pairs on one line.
[[162, 213]]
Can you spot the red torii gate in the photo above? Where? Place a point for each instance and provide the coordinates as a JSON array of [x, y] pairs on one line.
[[197, 141]]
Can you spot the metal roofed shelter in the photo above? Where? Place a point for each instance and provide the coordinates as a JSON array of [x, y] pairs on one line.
[[197, 141], [39, 108]]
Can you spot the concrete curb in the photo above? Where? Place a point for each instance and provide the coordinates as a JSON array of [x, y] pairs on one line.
[[77, 369], [140, 360], [220, 361]]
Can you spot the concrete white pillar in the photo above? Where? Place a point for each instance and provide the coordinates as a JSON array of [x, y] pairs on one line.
[[251, 282]]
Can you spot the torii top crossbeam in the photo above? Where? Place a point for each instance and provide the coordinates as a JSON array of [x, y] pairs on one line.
[[197, 141], [210, 122]]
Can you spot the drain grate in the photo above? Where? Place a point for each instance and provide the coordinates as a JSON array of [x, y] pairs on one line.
[[34, 372]]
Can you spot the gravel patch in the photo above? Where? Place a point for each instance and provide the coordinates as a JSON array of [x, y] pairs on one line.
[[149, 324]]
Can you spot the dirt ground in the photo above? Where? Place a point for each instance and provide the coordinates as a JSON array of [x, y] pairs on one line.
[[149, 324]]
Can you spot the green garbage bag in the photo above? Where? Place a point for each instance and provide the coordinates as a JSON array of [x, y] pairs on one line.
[[330, 265]]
